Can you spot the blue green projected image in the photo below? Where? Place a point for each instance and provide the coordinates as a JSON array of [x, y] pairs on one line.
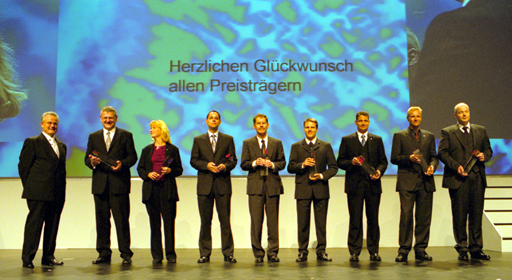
[[121, 53]]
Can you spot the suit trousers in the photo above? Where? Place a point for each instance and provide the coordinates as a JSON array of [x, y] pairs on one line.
[[160, 208], [467, 210], [371, 201], [419, 218], [119, 205], [258, 205], [41, 213], [223, 206], [304, 220]]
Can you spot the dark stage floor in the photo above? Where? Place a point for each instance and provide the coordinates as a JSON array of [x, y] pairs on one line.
[[77, 265]]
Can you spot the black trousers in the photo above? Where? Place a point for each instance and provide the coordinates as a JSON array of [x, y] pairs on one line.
[[160, 208], [259, 205], [420, 218], [41, 213], [119, 206], [371, 201], [467, 212], [304, 221], [223, 206]]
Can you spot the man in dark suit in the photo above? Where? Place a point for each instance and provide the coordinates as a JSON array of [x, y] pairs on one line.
[[263, 156], [313, 163], [466, 52], [362, 156], [214, 156], [42, 170], [110, 154], [459, 144], [414, 151]]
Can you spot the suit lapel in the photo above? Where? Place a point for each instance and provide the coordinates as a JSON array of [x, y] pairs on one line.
[[47, 147]]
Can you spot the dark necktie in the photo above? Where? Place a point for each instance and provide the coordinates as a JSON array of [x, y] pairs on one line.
[[417, 136], [263, 147], [465, 130]]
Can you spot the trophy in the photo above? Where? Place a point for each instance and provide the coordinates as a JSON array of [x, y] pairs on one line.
[[367, 167], [108, 161], [471, 162], [423, 162], [167, 162], [264, 171]]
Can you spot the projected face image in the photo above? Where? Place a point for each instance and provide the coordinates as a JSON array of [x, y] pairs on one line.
[[414, 119], [50, 125], [310, 130], [108, 119], [462, 114], [362, 123]]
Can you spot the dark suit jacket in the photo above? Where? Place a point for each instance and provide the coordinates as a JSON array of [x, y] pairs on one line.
[[350, 147], [250, 152], [325, 163], [202, 154], [146, 166], [465, 54], [452, 153], [42, 173], [404, 144], [122, 148]]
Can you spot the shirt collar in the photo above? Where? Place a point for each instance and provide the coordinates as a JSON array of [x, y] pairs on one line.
[[259, 140], [461, 127], [112, 132], [359, 134], [48, 137], [216, 134], [312, 141]]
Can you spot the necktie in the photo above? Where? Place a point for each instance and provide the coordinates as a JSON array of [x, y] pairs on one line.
[[214, 142], [263, 147], [108, 141], [417, 136], [54, 146], [363, 141], [465, 130]]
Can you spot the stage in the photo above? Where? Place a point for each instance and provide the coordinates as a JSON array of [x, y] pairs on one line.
[[77, 265]]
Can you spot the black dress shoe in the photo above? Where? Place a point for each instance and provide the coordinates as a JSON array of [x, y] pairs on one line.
[[171, 260], [127, 260], [28, 264], [101, 260], [157, 261], [273, 258], [229, 259], [463, 256], [480, 256], [422, 256], [51, 262], [323, 257], [402, 257], [259, 259], [375, 257], [354, 258], [302, 258], [203, 259]]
